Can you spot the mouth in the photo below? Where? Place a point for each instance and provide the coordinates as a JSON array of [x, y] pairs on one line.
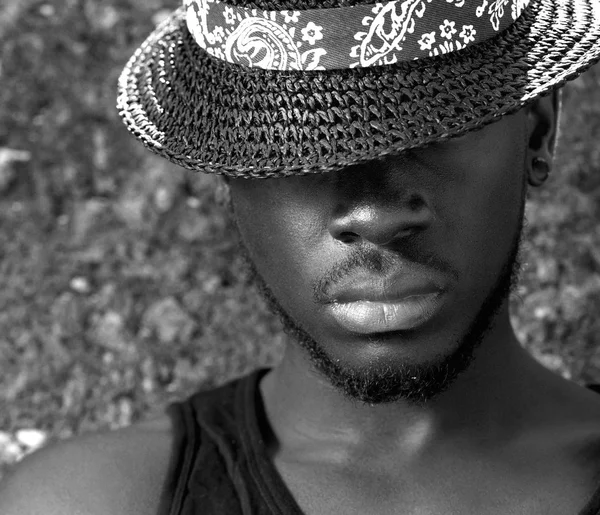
[[365, 304], [367, 316]]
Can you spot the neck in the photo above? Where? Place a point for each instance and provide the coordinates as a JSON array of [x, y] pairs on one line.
[[490, 403]]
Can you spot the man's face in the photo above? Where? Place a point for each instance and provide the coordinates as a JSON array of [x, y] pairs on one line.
[[390, 274]]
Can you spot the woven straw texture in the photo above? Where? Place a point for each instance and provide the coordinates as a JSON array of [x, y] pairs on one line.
[[211, 116]]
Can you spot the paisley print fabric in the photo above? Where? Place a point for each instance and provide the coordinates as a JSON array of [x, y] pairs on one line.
[[346, 37]]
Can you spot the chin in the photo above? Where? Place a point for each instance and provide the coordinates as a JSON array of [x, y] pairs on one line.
[[414, 365], [380, 373], [427, 343]]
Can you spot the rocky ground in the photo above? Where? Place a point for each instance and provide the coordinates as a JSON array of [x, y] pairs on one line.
[[120, 285]]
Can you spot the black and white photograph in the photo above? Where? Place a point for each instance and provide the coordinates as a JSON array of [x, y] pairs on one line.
[[299, 257]]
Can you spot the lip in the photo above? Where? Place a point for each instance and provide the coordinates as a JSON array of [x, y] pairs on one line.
[[365, 304], [377, 289], [367, 317]]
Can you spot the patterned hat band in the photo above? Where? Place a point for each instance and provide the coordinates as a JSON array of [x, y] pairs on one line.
[[346, 37]]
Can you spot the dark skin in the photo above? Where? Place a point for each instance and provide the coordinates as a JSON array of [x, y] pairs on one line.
[[456, 203], [503, 436]]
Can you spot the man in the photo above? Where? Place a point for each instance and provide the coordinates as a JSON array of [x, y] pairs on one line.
[[387, 239]]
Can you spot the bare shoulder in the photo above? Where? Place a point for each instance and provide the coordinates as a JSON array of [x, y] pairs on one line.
[[110, 473]]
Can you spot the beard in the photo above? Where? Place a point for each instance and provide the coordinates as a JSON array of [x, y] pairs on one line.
[[415, 383]]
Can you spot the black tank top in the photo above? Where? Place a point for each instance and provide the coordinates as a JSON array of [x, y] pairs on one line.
[[219, 464]]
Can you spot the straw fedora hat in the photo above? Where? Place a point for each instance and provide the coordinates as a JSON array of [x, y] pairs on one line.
[[273, 88]]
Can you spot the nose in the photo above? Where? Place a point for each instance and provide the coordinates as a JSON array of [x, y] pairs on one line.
[[381, 223]]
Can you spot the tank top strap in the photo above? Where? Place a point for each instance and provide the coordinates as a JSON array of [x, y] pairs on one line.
[[184, 448], [209, 467], [595, 387], [269, 493], [592, 507]]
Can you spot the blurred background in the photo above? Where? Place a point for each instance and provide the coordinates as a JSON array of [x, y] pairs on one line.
[[120, 286]]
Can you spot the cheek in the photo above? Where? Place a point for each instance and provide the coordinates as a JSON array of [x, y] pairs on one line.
[[492, 193], [498, 184], [281, 231]]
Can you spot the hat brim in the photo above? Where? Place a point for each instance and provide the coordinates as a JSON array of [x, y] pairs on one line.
[[212, 116]]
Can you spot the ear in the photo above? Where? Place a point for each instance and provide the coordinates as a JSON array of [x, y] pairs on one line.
[[543, 122]]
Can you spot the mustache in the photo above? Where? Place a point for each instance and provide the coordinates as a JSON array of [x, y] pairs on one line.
[[379, 263]]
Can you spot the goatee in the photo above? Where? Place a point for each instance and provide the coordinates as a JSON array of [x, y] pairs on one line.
[[419, 383]]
